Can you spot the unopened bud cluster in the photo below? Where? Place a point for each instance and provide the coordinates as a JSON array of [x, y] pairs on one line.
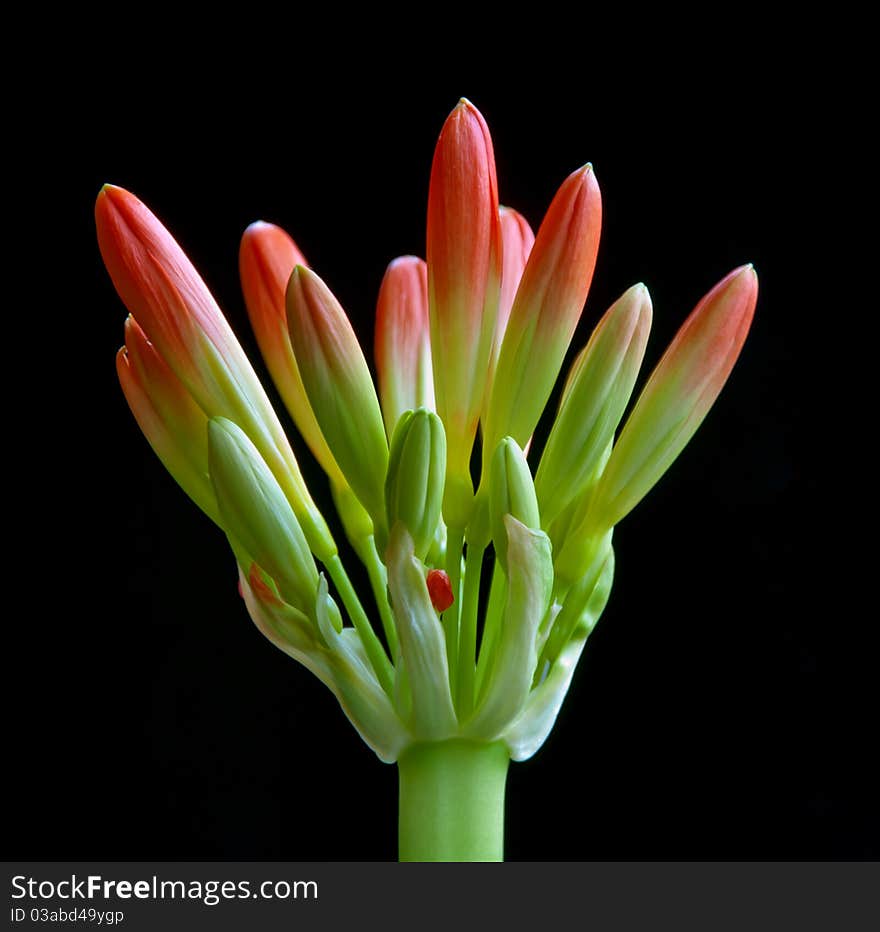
[[469, 346]]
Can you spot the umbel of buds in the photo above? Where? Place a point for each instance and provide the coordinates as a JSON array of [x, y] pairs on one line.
[[469, 346]]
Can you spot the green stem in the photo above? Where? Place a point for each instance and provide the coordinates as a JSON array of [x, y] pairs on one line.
[[379, 584], [372, 645], [452, 801], [454, 542], [467, 645], [491, 627]]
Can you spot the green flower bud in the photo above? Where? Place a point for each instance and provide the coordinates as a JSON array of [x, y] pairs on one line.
[[598, 390], [339, 386], [256, 512], [511, 492], [416, 477], [679, 394]]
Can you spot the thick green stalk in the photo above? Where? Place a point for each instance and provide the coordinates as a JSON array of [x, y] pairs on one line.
[[452, 801]]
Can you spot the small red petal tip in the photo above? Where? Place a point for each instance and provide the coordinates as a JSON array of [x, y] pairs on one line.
[[440, 590]]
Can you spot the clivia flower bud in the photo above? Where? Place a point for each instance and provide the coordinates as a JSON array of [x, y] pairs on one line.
[[511, 492], [678, 395], [266, 258], [464, 278], [339, 387], [546, 310], [416, 474], [517, 239], [403, 341], [174, 424], [595, 397], [257, 516], [167, 297]]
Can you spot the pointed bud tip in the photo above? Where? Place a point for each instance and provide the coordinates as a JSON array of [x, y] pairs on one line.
[[583, 177], [112, 194], [116, 207], [218, 427], [464, 107], [259, 587], [297, 276], [745, 275], [402, 261], [257, 226]]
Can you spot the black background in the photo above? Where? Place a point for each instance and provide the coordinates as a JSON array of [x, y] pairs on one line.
[[724, 706]]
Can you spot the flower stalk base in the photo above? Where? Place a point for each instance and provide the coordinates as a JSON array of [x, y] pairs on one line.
[[452, 801]]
